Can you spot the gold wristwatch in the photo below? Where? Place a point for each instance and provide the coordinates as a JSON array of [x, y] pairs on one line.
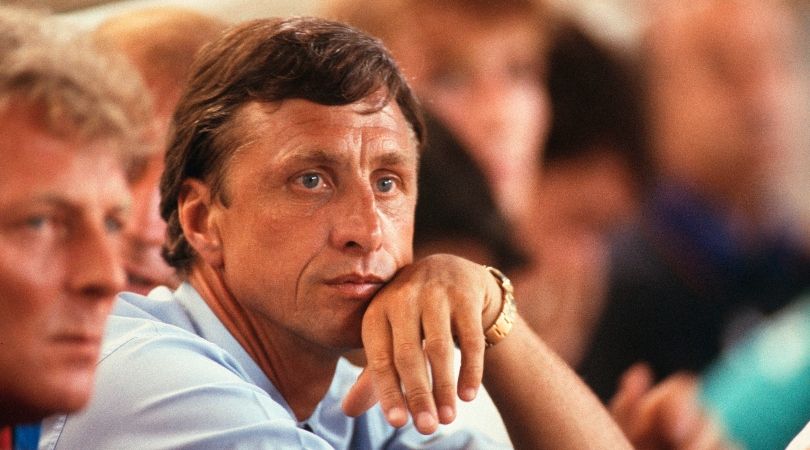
[[506, 318]]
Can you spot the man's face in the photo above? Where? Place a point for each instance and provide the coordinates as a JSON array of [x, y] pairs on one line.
[[724, 95], [483, 79], [320, 215], [63, 202], [145, 234]]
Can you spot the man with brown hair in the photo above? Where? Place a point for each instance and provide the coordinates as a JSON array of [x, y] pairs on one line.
[[71, 128], [289, 193]]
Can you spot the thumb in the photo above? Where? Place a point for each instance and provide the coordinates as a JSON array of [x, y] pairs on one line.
[[360, 397]]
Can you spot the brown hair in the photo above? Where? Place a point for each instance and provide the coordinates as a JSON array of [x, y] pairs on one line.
[[268, 60]]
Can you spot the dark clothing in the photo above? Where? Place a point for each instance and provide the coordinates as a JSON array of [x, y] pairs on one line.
[[678, 282]]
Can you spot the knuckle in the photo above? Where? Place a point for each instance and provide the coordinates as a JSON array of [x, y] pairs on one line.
[[474, 366], [390, 394], [407, 355], [443, 386], [378, 364], [419, 395], [438, 346], [472, 342]]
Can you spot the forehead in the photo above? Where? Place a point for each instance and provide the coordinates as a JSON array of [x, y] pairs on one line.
[[296, 125], [452, 37], [35, 159], [732, 34], [453, 27]]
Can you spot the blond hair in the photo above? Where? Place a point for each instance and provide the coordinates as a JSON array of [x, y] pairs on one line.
[[81, 91]]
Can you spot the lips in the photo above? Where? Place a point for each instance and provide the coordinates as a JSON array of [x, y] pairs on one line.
[[140, 284], [142, 280], [82, 346], [356, 286]]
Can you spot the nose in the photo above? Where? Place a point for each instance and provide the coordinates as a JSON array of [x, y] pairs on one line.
[[96, 269], [145, 226], [357, 225]]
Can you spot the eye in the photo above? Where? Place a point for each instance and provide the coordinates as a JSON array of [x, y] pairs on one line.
[[113, 224], [36, 222], [311, 180], [523, 71], [449, 79], [386, 184]]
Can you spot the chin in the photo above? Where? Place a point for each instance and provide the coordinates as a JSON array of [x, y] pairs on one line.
[[67, 390]]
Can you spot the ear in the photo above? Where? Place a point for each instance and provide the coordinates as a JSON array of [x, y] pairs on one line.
[[198, 213]]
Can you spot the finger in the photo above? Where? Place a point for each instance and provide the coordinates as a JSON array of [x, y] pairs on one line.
[[470, 337], [360, 397], [681, 417], [380, 368], [411, 367], [633, 385], [439, 350], [706, 435]]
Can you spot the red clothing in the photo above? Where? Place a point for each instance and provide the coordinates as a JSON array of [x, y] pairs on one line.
[[5, 438]]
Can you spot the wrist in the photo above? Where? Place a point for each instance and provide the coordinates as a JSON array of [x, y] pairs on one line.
[[502, 325]]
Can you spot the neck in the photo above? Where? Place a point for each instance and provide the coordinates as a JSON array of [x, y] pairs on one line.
[[301, 371]]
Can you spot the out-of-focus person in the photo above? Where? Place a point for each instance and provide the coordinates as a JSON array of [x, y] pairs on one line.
[[479, 69], [477, 66], [161, 42], [755, 396], [714, 249], [72, 130], [594, 170]]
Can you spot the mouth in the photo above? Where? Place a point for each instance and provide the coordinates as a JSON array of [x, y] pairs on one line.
[[356, 286], [140, 284], [80, 345]]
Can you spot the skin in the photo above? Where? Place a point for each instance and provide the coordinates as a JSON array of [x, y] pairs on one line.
[[667, 415], [145, 234], [64, 202], [309, 255], [482, 77], [723, 88], [320, 216], [146, 231], [583, 201]]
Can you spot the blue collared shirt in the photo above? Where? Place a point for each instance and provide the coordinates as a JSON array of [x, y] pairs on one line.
[[172, 376]]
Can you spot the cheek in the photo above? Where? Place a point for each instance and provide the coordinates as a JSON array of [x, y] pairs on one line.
[[398, 230], [30, 281], [25, 310], [258, 244], [529, 108]]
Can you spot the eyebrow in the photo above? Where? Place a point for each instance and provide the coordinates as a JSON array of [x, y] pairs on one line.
[[60, 202], [313, 157]]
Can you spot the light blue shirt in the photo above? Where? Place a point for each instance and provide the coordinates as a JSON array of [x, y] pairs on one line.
[[171, 376]]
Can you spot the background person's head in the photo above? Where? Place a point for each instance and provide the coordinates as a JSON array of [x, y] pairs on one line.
[[722, 79], [72, 124], [162, 43], [476, 65]]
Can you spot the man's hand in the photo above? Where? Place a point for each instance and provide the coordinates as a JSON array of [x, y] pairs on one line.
[[408, 334]]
